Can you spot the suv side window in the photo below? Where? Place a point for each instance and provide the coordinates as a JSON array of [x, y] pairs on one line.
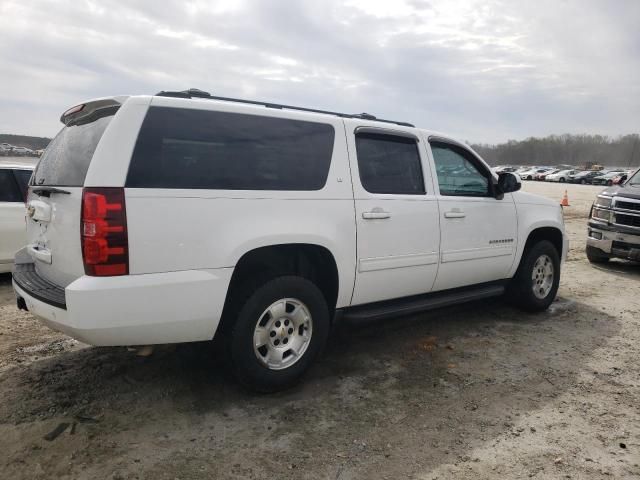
[[9, 191], [389, 164], [458, 171], [204, 149]]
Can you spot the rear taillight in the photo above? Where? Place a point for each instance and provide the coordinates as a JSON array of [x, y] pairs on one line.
[[103, 231]]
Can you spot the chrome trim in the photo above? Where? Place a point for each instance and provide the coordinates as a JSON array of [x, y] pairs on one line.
[[625, 226], [602, 205], [615, 201]]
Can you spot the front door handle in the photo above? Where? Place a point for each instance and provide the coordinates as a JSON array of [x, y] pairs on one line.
[[376, 214], [454, 213]]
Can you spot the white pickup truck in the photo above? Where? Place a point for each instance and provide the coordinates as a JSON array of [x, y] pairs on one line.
[[183, 216]]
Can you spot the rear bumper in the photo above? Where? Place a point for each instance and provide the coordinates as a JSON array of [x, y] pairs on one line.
[[147, 309]]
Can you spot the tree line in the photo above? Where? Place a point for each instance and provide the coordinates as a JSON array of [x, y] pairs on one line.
[[34, 143], [567, 149]]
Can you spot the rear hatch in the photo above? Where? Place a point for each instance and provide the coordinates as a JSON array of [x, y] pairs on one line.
[[55, 193]]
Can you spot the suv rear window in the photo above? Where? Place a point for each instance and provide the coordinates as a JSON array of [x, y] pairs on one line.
[[66, 160], [202, 149]]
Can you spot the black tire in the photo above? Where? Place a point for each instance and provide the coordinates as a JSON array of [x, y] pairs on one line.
[[609, 182], [595, 255], [561, 180], [247, 368], [520, 289], [583, 182]]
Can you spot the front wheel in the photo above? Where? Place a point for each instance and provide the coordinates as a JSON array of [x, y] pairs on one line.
[[595, 255], [279, 331], [536, 282], [561, 180], [583, 182]]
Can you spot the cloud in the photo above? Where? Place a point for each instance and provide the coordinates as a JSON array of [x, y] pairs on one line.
[[482, 70]]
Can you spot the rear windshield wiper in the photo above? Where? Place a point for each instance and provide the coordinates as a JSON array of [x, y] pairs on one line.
[[47, 191]]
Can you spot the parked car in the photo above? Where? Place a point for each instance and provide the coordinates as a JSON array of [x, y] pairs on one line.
[[530, 174], [200, 218], [606, 179], [13, 192], [621, 177], [560, 176], [542, 176], [614, 223], [583, 177], [5, 149], [19, 151], [506, 169]]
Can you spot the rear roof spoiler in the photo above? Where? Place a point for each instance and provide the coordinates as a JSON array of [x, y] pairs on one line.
[[91, 109]]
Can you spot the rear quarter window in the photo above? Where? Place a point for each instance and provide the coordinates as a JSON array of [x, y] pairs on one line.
[[200, 149]]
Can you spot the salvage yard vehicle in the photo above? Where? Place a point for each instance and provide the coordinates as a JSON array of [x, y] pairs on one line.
[[606, 179], [14, 178], [583, 177], [560, 176], [531, 174], [183, 216], [614, 223], [542, 176]]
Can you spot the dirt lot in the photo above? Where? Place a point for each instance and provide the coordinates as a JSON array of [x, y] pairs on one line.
[[476, 391]]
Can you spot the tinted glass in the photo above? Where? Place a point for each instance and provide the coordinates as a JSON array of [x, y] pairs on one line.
[[389, 164], [9, 191], [634, 179], [22, 177], [183, 148], [457, 173], [66, 160]]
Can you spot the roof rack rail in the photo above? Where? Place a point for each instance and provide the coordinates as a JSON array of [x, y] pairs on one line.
[[197, 93]]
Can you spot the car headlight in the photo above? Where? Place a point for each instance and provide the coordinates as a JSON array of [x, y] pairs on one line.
[[601, 214], [602, 201]]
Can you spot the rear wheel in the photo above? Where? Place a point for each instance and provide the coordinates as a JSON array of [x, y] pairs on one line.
[[561, 180], [583, 182], [536, 282], [280, 328], [595, 255]]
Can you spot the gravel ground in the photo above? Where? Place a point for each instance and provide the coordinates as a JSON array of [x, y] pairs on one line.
[[476, 391]]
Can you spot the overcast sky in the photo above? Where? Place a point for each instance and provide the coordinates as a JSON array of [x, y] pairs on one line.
[[485, 71]]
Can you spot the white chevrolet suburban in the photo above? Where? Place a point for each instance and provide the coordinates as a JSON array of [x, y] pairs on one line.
[[183, 216]]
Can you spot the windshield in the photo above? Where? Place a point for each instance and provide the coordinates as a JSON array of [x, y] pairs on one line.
[[635, 179], [66, 160]]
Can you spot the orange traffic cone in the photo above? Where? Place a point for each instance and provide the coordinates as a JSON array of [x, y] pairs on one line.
[[565, 200]]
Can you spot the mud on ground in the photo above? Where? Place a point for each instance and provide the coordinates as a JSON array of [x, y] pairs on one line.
[[476, 391]]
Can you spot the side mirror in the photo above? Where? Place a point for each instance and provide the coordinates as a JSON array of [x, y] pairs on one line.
[[508, 182]]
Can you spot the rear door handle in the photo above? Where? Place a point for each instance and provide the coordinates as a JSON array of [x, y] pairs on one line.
[[376, 214], [454, 213]]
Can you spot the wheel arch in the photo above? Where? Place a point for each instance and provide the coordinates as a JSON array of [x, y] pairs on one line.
[[552, 233], [311, 261]]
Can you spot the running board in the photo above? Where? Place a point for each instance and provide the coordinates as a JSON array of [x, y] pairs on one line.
[[421, 303]]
